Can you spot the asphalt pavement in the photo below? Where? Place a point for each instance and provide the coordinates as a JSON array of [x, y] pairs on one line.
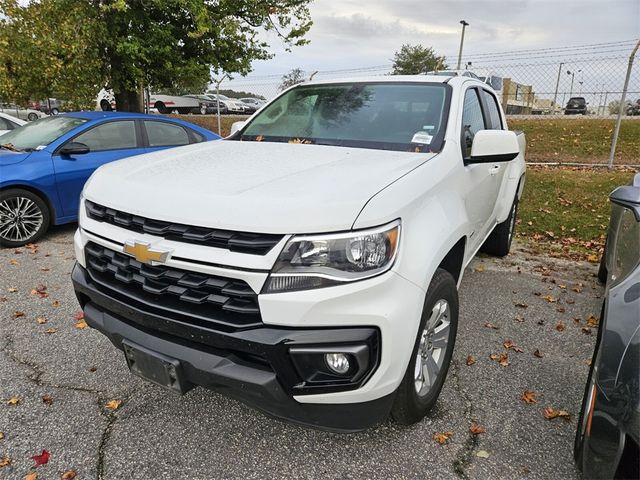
[[524, 302]]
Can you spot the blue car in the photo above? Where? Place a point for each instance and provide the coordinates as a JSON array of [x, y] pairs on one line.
[[45, 164]]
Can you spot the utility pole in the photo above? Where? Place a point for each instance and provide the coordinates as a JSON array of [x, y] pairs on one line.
[[573, 74], [614, 141], [218, 82], [464, 24], [555, 95]]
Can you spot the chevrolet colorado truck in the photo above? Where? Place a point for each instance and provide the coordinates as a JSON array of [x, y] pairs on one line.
[[308, 265]]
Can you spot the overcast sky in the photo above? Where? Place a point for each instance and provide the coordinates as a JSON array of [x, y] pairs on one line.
[[361, 33]]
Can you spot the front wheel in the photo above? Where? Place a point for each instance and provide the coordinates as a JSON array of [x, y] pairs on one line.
[[498, 243], [24, 217], [432, 351], [32, 116]]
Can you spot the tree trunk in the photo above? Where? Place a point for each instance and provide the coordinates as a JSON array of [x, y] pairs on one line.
[[128, 101]]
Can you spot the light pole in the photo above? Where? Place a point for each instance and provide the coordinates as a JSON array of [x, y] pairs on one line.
[[573, 74], [464, 24], [555, 95]]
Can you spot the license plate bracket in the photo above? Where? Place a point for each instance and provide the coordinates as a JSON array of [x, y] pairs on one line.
[[155, 367]]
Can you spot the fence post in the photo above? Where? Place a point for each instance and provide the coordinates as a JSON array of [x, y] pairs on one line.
[[614, 140]]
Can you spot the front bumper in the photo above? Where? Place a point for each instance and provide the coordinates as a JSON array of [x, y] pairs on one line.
[[251, 365]]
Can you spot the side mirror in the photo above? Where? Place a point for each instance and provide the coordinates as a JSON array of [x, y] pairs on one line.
[[494, 146], [74, 148], [237, 126], [628, 196]]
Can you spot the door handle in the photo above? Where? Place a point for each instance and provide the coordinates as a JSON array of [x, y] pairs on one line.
[[494, 169]]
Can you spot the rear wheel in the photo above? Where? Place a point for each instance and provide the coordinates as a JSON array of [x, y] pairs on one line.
[[32, 116], [105, 106], [499, 242], [161, 107], [24, 217], [432, 351]]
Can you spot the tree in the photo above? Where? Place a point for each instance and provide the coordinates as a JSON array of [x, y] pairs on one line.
[[292, 78], [416, 60], [614, 107], [168, 45]]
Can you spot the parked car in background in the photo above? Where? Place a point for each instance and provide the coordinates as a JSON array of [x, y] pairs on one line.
[[634, 108], [254, 104], [309, 263], [45, 164], [106, 101], [8, 123], [173, 104], [576, 106], [233, 105], [23, 113], [207, 105], [608, 433]]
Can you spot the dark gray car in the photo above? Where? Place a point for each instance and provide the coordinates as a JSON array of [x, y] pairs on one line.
[[606, 444]]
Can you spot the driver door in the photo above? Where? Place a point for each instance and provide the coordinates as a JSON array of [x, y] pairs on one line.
[[107, 142]]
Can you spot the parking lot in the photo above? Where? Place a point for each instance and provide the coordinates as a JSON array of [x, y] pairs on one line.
[[537, 308]]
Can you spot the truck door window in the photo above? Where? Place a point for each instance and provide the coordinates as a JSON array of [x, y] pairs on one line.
[[493, 111], [472, 120]]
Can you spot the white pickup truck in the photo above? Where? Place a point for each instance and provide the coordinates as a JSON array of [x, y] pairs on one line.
[[307, 265]]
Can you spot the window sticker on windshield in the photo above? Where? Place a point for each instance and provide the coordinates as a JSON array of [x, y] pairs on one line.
[[428, 127], [41, 147], [422, 137]]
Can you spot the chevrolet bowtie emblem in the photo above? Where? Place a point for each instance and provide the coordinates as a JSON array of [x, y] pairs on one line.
[[143, 252]]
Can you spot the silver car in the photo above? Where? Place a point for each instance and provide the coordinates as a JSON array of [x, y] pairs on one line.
[[21, 112]]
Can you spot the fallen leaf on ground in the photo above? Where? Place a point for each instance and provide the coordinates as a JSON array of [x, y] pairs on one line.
[[490, 325], [47, 399], [586, 330], [471, 360], [592, 321], [519, 318], [55, 304], [442, 437], [521, 305], [18, 313], [482, 454], [12, 290], [13, 401], [41, 321], [508, 344], [40, 290], [5, 462], [550, 298], [81, 324], [1, 435], [538, 353], [69, 475], [476, 429], [480, 268], [31, 476], [551, 413], [50, 331], [593, 258], [78, 315], [13, 262], [560, 327], [493, 356], [41, 459], [529, 396], [113, 404], [504, 360]]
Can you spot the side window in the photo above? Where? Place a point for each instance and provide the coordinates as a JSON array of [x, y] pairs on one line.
[[110, 136], [5, 124], [493, 111], [163, 134], [472, 120], [198, 138], [625, 254]]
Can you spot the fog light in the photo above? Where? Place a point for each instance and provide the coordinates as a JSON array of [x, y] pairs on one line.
[[338, 362]]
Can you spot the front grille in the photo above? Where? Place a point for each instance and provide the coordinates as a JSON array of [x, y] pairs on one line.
[[252, 243], [203, 300]]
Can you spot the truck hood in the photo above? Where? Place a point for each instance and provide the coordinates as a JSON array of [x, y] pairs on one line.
[[251, 186], [7, 157]]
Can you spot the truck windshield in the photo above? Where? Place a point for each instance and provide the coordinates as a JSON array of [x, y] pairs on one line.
[[386, 115], [39, 133]]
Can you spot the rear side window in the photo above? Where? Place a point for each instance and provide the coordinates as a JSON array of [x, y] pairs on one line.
[[472, 120], [110, 136], [163, 134], [5, 124], [493, 111]]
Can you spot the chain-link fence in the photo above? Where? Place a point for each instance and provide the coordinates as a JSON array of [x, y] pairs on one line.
[[529, 82]]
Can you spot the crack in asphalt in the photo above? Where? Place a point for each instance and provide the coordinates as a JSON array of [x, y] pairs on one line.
[[110, 418], [463, 457]]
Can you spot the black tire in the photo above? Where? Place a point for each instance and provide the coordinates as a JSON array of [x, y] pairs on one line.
[[55, 111], [602, 268], [409, 406], [105, 106], [9, 197], [499, 241], [161, 107], [32, 116]]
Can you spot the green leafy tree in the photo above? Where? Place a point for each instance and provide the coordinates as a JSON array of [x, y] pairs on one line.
[[416, 60], [166, 45]]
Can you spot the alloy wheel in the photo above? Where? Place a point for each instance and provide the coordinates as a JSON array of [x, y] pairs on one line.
[[20, 219], [434, 341]]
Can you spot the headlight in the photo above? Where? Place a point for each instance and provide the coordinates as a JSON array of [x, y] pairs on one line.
[[324, 260]]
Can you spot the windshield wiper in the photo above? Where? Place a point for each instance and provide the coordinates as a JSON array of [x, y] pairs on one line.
[[9, 146]]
